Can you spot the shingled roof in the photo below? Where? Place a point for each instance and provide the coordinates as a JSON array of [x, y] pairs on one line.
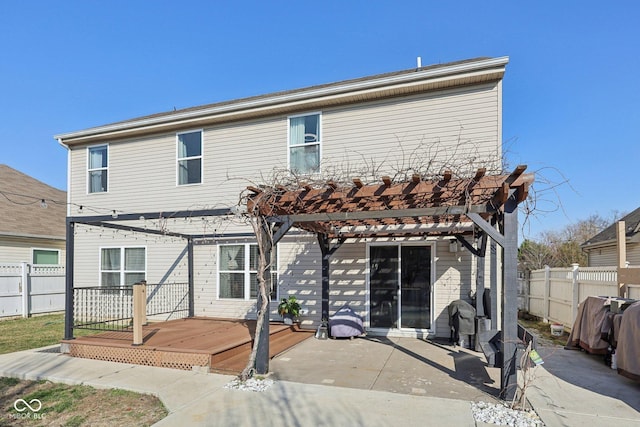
[[632, 230], [20, 206]]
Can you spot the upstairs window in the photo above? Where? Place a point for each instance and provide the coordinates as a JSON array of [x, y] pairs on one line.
[[98, 169], [304, 143], [189, 158]]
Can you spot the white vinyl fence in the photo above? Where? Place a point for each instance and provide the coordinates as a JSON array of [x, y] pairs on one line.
[[554, 293], [27, 289]]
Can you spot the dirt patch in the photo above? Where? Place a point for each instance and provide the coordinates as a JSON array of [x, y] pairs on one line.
[[43, 403], [542, 331]]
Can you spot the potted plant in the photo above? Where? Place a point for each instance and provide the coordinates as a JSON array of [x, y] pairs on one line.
[[289, 308]]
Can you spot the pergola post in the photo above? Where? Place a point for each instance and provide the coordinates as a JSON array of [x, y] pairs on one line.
[[68, 318], [323, 241], [190, 276], [509, 379], [327, 251], [481, 310]]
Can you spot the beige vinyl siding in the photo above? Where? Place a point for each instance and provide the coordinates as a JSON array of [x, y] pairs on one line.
[[608, 256], [205, 266], [206, 301], [455, 278], [393, 129], [15, 249], [633, 254], [348, 279], [142, 171], [604, 257], [301, 275], [166, 256]]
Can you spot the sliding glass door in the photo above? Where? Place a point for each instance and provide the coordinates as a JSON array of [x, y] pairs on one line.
[[400, 286]]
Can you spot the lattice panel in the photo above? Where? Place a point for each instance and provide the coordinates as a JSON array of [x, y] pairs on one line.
[[140, 356]]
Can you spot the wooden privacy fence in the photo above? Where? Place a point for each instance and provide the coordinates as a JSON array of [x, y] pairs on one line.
[[27, 289], [555, 293]]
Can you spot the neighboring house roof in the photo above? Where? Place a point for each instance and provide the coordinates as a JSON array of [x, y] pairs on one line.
[[20, 206], [399, 83], [608, 235]]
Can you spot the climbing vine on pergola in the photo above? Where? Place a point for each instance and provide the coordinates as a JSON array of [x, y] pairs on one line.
[[482, 205]]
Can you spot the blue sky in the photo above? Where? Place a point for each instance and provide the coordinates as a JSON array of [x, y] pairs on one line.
[[570, 97]]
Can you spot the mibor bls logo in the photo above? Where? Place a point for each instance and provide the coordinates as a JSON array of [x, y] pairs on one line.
[[28, 409], [21, 405]]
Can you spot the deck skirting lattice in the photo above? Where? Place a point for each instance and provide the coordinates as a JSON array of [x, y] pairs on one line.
[[141, 356]]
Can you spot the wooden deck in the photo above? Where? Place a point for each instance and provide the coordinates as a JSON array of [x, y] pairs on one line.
[[219, 345]]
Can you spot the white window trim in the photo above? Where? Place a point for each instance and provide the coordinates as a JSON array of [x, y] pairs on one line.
[[201, 157], [122, 270], [319, 143], [89, 170], [247, 277], [276, 269], [45, 249]]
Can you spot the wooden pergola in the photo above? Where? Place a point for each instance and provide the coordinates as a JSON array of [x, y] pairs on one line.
[[482, 205]]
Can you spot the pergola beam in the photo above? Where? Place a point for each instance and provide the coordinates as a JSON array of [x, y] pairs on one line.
[[438, 211], [487, 228]]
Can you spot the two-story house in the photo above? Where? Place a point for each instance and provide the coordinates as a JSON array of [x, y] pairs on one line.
[[175, 179]]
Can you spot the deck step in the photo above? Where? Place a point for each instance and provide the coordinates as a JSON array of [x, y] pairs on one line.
[[278, 343]]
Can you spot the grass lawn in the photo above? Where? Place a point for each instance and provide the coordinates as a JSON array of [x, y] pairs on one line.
[[64, 405], [33, 332], [71, 406]]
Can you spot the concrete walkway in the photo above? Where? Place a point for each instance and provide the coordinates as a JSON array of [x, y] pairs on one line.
[[570, 389], [573, 388], [200, 399]]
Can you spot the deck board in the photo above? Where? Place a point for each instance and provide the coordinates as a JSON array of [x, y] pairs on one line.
[[224, 344]]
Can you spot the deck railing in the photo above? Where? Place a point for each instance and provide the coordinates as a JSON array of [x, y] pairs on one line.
[[105, 308]]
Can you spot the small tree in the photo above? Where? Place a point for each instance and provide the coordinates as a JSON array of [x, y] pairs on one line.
[[562, 248], [262, 230]]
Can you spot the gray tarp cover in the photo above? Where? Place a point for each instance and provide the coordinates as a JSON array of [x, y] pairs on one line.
[[345, 323], [628, 350]]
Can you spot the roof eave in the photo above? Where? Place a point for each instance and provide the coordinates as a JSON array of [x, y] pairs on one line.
[[634, 238], [31, 236], [472, 69]]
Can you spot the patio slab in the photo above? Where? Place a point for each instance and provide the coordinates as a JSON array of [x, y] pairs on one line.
[[398, 365]]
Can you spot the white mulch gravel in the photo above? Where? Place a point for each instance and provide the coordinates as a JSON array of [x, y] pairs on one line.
[[502, 415], [252, 384]]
